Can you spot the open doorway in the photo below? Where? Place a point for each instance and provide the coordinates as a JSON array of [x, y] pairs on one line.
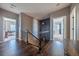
[[58, 28], [9, 29]]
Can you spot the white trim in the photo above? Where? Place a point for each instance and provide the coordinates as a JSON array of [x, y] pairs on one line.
[[19, 26], [51, 26], [73, 12]]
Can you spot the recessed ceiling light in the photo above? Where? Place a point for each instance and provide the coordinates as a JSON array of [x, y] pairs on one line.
[[57, 4], [12, 6]]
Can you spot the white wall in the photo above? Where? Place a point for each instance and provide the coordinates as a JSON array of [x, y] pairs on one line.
[[1, 29], [35, 27], [77, 21]]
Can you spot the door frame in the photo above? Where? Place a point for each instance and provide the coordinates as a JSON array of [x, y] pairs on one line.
[[73, 14], [3, 27], [64, 26]]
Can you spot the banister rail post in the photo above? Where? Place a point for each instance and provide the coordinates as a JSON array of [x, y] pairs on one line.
[[39, 46], [27, 37]]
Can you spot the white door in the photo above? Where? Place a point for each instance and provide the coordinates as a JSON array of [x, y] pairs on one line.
[[73, 27], [58, 28]]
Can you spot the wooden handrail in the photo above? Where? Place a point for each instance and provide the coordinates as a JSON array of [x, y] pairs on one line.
[[33, 35]]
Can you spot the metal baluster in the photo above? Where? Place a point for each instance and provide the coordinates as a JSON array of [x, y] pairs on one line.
[[27, 37]]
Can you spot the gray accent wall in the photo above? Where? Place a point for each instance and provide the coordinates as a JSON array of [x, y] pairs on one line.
[[26, 24], [7, 14]]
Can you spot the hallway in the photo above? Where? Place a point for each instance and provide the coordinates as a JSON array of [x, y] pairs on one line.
[[56, 27]]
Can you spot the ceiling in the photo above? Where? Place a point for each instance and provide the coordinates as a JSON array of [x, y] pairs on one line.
[[36, 10]]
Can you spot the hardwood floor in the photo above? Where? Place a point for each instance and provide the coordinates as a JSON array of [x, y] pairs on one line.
[[10, 48], [52, 48], [16, 48], [72, 48]]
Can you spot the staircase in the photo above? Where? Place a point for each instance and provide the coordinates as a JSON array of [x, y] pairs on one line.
[[34, 44]]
